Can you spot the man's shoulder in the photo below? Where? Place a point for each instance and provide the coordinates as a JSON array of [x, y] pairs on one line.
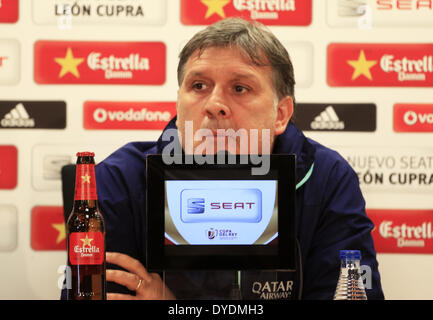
[[329, 163], [309, 150], [125, 168], [132, 153], [328, 155]]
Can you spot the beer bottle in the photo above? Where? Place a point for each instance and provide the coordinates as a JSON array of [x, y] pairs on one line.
[[86, 236]]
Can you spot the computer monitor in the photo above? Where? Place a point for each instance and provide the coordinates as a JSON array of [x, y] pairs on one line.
[[212, 216]]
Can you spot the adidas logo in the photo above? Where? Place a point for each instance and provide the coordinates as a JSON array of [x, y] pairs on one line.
[[17, 117], [327, 119]]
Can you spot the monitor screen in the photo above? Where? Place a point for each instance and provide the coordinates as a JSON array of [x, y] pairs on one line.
[[220, 216], [221, 212]]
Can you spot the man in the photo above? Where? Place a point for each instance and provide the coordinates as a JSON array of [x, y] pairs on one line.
[[237, 75]]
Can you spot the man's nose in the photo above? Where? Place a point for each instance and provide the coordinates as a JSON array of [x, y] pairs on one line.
[[217, 106]]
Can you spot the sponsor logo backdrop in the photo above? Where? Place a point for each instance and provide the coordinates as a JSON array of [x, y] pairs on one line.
[[85, 75]]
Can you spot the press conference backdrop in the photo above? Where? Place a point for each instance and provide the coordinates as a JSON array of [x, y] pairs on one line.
[[94, 75]]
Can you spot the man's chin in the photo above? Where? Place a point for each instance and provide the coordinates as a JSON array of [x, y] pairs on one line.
[[214, 148], [234, 145]]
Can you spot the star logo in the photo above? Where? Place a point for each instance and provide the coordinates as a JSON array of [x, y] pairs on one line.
[[69, 64], [85, 178], [60, 227], [87, 241], [215, 6], [362, 66]]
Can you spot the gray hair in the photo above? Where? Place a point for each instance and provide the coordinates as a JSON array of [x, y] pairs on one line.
[[261, 46]]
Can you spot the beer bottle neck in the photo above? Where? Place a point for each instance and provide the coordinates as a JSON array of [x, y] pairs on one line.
[[85, 183], [90, 204]]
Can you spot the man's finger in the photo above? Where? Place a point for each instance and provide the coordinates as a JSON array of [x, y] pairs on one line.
[[123, 278], [128, 263], [120, 296]]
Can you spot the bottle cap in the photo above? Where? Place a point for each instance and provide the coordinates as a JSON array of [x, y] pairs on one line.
[[350, 254], [85, 154]]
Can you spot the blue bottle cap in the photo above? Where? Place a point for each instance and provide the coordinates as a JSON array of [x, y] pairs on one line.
[[350, 254]]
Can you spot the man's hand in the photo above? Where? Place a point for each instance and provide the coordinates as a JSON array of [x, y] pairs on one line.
[[148, 286]]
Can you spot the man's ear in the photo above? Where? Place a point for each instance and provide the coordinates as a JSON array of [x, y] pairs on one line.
[[284, 113]]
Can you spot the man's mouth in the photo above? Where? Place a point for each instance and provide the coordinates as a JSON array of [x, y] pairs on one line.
[[221, 133]]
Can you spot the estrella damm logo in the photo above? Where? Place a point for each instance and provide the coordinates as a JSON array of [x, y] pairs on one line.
[[93, 62], [269, 12], [380, 65]]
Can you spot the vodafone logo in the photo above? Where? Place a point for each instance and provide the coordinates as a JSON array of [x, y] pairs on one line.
[[128, 115], [410, 118], [413, 117], [101, 115]]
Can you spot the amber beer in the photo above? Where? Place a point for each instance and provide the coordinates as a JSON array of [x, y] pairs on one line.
[[86, 236]]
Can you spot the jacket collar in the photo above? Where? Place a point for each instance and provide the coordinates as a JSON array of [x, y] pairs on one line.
[[162, 143], [293, 141]]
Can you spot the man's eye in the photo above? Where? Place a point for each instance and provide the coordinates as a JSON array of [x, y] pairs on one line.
[[240, 89], [198, 86]]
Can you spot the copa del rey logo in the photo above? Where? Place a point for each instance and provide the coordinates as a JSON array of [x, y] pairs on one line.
[[271, 12], [82, 62], [393, 65], [402, 231]]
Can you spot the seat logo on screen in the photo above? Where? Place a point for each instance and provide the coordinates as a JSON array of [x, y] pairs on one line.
[[221, 205], [195, 205]]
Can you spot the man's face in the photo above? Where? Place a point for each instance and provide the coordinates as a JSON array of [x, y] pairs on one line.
[[222, 89]]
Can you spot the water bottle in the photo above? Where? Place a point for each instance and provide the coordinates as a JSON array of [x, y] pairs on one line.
[[350, 285]]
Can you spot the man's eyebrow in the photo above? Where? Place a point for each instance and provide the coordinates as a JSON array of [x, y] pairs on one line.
[[246, 75], [250, 78], [236, 75], [194, 74]]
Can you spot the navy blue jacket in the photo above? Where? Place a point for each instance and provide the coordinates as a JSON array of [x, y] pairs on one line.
[[330, 216]]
